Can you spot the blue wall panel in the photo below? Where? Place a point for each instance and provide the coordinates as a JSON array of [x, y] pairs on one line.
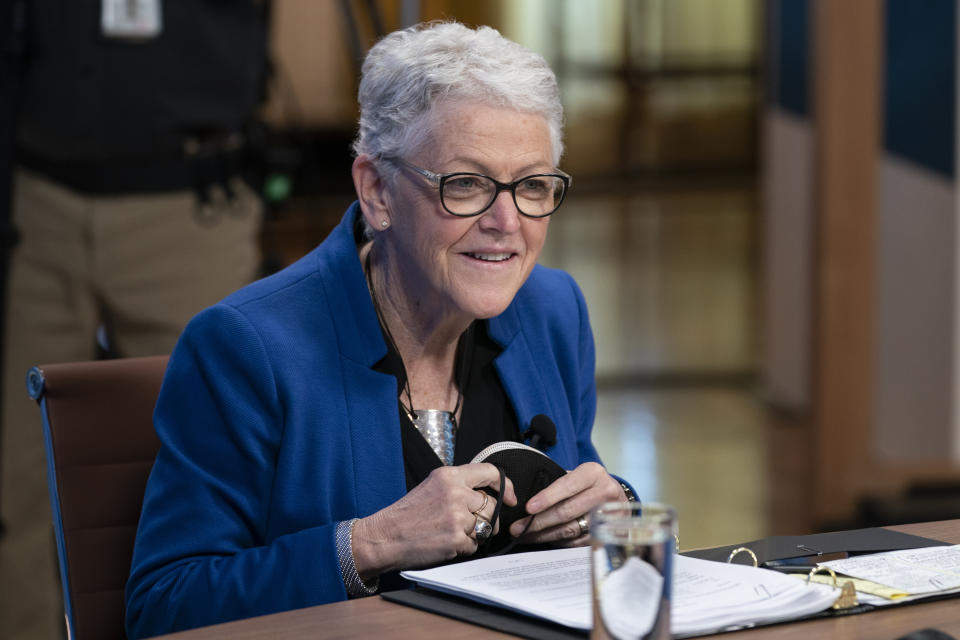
[[791, 58], [919, 99]]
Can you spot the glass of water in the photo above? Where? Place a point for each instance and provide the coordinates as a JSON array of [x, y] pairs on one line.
[[632, 551]]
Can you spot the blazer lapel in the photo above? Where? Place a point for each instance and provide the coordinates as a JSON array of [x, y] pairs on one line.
[[371, 397], [522, 378]]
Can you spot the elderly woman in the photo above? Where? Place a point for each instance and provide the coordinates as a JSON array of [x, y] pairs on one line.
[[294, 468]]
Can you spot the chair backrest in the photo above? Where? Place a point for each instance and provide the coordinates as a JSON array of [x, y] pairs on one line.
[[100, 443]]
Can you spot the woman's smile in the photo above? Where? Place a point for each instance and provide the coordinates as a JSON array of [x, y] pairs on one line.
[[490, 257]]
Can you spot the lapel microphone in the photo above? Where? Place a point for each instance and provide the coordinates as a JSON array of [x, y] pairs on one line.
[[542, 430]]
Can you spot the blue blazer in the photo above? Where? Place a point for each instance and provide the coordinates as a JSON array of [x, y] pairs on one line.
[[274, 427]]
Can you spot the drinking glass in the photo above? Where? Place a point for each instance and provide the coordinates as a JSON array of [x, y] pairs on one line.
[[632, 547]]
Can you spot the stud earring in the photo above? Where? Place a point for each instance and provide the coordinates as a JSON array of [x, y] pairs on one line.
[[384, 224]]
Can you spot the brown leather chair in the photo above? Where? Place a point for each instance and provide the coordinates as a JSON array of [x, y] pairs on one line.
[[98, 428]]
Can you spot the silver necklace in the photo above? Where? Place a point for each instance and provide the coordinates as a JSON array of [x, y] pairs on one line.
[[438, 427]]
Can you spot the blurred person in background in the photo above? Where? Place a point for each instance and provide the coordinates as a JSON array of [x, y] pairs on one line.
[[132, 215]]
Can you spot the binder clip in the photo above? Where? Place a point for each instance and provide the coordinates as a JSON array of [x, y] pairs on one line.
[[848, 595], [740, 550]]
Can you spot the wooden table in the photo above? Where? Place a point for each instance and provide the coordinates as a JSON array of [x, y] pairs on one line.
[[375, 618]]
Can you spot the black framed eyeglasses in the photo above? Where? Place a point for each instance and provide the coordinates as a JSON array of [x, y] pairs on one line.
[[467, 194]]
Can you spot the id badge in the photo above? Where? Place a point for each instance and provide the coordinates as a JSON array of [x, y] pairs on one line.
[[131, 19]]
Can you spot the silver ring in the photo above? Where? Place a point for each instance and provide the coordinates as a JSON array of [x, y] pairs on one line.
[[482, 529], [486, 497], [584, 525]]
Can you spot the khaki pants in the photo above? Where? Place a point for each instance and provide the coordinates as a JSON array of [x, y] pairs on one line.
[[141, 266]]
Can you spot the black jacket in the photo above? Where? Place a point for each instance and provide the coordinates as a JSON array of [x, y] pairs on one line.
[[91, 99]]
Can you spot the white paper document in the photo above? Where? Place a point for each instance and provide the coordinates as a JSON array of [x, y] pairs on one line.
[[913, 571], [710, 596], [555, 585], [551, 584]]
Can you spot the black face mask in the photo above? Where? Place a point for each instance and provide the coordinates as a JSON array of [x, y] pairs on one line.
[[530, 471]]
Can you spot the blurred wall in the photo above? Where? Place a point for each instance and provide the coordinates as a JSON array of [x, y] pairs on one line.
[[649, 85], [915, 404], [861, 242], [788, 138], [317, 48], [313, 84]]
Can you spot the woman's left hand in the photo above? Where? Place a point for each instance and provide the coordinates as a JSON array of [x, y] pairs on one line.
[[558, 510]]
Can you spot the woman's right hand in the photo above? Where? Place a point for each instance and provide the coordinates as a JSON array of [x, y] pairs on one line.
[[431, 524]]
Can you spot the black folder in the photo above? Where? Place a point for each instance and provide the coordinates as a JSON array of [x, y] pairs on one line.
[[854, 542], [484, 615]]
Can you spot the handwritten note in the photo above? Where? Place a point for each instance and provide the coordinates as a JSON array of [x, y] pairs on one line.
[[912, 571]]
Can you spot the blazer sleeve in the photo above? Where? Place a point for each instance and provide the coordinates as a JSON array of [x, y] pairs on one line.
[[203, 553], [587, 400], [586, 388]]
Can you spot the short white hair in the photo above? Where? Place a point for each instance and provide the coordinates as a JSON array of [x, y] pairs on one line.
[[407, 73]]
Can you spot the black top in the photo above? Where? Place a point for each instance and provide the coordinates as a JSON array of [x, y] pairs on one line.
[[87, 97], [486, 416]]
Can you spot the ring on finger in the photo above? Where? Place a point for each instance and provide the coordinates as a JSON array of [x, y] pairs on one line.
[[584, 525], [486, 497], [482, 528]]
